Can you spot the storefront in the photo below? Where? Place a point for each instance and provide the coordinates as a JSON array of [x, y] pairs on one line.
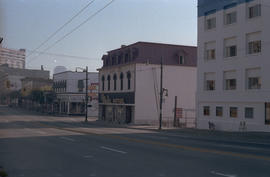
[[117, 107]]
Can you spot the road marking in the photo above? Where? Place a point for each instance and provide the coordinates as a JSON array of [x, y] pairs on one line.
[[88, 156], [221, 174], [183, 147], [66, 138], [114, 150]]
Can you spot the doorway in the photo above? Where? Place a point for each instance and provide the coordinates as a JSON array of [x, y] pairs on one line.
[[128, 114]]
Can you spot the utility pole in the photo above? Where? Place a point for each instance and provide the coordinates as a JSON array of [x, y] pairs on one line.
[[161, 94], [86, 94]]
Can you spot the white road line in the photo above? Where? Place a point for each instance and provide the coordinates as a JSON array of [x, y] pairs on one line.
[[222, 174], [88, 156], [66, 138], [114, 150]]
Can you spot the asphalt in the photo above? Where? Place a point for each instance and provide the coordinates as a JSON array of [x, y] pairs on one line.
[[36, 145]]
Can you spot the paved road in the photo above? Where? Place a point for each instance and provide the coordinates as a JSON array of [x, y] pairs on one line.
[[42, 146]]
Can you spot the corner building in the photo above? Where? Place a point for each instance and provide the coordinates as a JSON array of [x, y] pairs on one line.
[[233, 86], [129, 81]]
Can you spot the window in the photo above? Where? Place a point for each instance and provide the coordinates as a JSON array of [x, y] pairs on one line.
[[230, 84], [233, 112], [114, 60], [230, 81], [253, 78], [181, 60], [103, 79], [254, 47], [254, 44], [219, 111], [120, 58], [210, 85], [249, 113], [128, 77], [210, 50], [80, 85], [114, 81], [109, 82], [121, 81], [230, 18], [254, 83], [211, 23], [254, 11], [209, 81], [206, 110], [230, 47], [127, 57], [267, 113], [231, 51], [211, 54]]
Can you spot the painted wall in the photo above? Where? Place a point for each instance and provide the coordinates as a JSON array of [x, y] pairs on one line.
[[179, 80]]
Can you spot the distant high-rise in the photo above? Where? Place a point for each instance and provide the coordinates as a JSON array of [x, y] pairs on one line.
[[14, 58], [59, 69]]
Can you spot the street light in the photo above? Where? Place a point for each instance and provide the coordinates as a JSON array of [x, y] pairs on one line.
[[86, 91]]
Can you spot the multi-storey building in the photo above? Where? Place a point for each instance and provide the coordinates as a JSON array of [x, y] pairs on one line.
[[14, 58], [129, 90], [70, 90], [233, 89]]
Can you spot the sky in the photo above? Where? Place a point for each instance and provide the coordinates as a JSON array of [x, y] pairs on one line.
[[28, 23]]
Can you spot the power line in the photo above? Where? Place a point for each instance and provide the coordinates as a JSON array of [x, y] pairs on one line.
[[64, 55], [59, 29], [77, 27]]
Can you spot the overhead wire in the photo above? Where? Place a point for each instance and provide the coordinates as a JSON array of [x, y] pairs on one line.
[[61, 27], [63, 55], [74, 29]]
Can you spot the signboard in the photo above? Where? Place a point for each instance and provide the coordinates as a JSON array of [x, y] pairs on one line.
[[117, 98], [179, 113], [93, 91]]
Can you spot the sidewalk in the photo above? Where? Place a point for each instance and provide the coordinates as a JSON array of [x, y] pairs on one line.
[[244, 137]]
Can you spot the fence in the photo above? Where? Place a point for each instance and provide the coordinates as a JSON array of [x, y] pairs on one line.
[[186, 118]]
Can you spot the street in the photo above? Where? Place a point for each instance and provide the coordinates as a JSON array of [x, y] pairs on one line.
[[33, 145]]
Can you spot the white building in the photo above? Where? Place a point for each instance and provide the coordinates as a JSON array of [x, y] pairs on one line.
[[70, 89], [129, 80], [233, 65], [14, 58]]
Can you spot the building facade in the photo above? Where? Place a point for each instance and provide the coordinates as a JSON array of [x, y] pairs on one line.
[[11, 79], [233, 59], [13, 58], [70, 90], [29, 84], [129, 80]]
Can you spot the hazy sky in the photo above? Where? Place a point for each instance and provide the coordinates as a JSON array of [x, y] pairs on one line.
[[27, 23]]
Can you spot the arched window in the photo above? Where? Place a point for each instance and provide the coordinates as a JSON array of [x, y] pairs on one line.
[[109, 82], [127, 56], [103, 79], [121, 81], [128, 77], [114, 81]]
